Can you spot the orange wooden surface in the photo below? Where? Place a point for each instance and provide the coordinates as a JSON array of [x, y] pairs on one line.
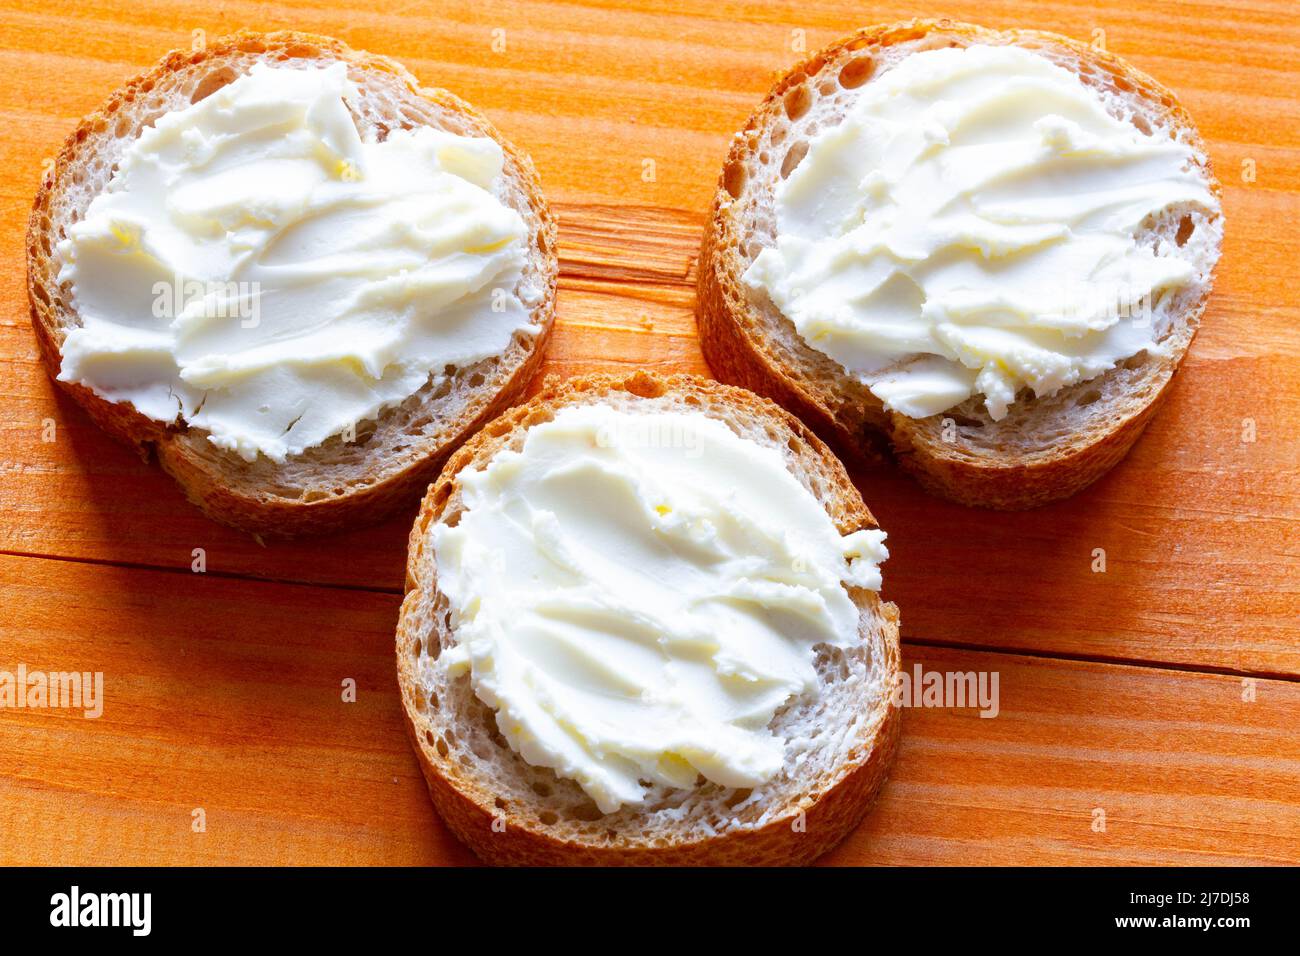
[[1121, 691]]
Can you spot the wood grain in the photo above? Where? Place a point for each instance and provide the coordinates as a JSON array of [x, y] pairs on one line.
[[627, 110]]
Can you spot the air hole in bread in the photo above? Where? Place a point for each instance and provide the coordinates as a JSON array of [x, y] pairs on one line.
[[793, 158], [586, 812], [737, 797], [1142, 124], [548, 818], [213, 82], [1136, 361], [856, 72], [644, 386], [734, 178], [304, 51], [500, 804], [965, 422], [542, 789], [797, 102], [1185, 229], [936, 41]]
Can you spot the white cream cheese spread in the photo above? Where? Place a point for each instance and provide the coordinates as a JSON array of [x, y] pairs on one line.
[[636, 594], [970, 228], [257, 269]]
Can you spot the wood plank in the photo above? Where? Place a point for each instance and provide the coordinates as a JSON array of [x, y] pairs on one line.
[[225, 695], [1184, 771]]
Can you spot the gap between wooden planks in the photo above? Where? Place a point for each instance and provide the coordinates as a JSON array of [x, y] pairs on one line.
[[225, 695]]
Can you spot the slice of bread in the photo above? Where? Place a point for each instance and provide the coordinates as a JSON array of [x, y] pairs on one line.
[[1045, 448], [339, 483], [838, 746]]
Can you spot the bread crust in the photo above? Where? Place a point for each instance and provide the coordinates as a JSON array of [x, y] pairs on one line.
[[470, 808], [208, 477], [843, 411]]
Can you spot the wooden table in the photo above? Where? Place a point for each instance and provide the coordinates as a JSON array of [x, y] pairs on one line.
[[1160, 697]]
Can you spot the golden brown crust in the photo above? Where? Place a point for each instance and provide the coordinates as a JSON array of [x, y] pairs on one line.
[[470, 809], [842, 410], [204, 477], [735, 355], [1022, 485]]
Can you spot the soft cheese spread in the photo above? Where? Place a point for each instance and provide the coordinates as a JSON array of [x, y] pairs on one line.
[[257, 269], [636, 594], [970, 228]]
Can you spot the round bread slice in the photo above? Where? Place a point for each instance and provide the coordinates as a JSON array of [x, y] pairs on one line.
[[839, 746], [1045, 448], [339, 483]]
